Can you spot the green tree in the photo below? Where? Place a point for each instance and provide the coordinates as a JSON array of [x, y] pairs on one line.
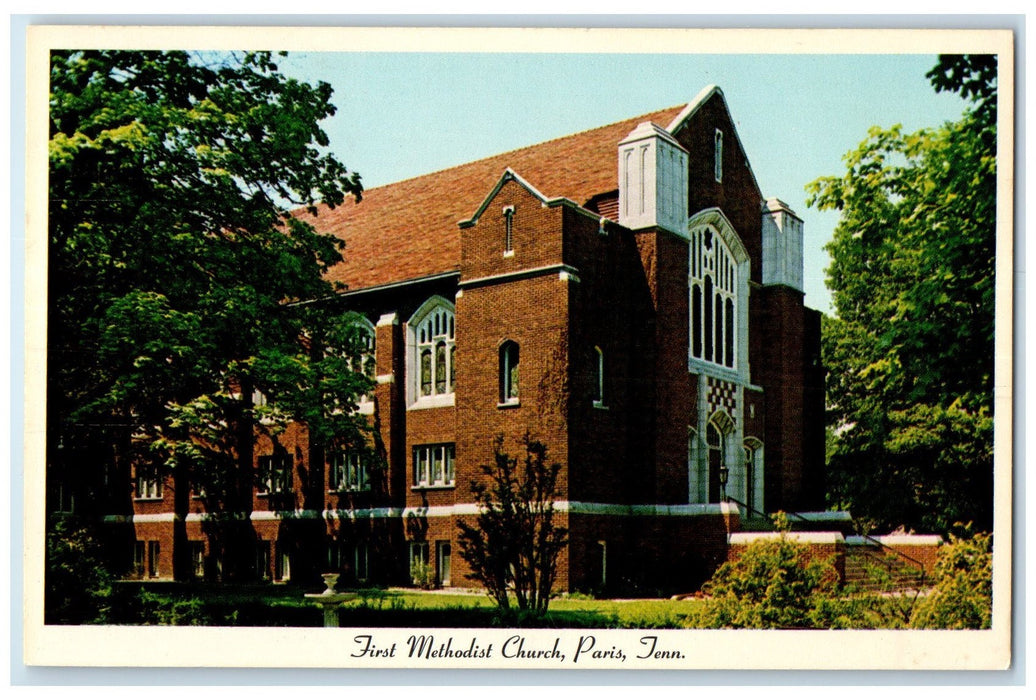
[[174, 256], [910, 351], [78, 584], [514, 545]]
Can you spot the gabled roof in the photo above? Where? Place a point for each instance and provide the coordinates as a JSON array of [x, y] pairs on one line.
[[409, 229]]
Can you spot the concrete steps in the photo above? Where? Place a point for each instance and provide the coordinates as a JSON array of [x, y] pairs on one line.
[[868, 568]]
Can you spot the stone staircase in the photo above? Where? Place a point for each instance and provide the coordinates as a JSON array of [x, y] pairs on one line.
[[869, 568]]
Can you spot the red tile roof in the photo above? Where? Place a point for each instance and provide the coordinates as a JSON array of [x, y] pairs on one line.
[[409, 229]]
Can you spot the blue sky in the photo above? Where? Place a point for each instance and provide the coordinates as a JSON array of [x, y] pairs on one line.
[[404, 114]]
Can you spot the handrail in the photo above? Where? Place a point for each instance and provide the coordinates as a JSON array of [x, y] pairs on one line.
[[876, 541]]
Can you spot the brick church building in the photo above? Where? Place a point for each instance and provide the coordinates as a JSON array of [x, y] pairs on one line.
[[625, 295]]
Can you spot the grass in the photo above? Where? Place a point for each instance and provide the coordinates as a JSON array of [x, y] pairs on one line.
[[285, 606]]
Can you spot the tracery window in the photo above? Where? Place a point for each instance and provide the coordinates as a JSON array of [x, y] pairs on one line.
[[432, 332], [714, 303]]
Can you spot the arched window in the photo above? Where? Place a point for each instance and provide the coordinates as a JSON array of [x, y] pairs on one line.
[[359, 352], [509, 359], [431, 333], [717, 456], [718, 429], [714, 302]]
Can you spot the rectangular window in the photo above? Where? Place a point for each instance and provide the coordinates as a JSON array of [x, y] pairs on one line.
[[262, 559], [154, 551], [335, 555], [360, 562], [434, 465], [139, 558], [443, 556], [274, 474], [419, 563], [198, 558], [349, 472], [149, 482], [282, 571]]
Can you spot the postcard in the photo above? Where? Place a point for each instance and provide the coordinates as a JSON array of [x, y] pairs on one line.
[[502, 348]]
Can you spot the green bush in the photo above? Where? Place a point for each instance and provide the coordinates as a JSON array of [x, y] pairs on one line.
[[775, 584], [157, 609], [963, 593], [422, 575]]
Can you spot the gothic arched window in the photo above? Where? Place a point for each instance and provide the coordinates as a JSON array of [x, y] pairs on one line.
[[431, 333]]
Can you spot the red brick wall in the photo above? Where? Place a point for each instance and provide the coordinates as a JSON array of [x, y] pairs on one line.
[[737, 195], [831, 552], [647, 554], [786, 364]]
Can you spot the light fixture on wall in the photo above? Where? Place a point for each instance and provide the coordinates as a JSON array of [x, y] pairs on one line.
[[724, 472]]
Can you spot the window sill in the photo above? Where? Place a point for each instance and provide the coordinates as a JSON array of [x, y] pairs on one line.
[[513, 403], [508, 253], [438, 401], [273, 494], [600, 405], [433, 487], [148, 499], [345, 492]]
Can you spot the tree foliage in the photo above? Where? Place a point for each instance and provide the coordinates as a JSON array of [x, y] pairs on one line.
[[78, 584], [910, 351], [174, 257], [514, 545]]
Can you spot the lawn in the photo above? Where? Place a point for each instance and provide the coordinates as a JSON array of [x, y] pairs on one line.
[[286, 606]]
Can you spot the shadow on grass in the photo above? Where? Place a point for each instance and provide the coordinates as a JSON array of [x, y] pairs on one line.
[[378, 608], [285, 606]]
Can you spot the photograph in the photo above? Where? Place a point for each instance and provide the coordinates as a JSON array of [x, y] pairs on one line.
[[505, 348]]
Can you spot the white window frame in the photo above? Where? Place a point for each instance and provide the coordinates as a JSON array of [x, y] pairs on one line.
[[715, 276], [508, 231], [275, 474], [149, 483], [198, 558], [419, 554], [349, 472], [154, 558], [425, 474], [140, 558], [432, 326], [510, 367]]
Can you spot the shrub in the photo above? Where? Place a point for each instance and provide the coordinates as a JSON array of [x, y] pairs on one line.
[[963, 593], [422, 575], [775, 583]]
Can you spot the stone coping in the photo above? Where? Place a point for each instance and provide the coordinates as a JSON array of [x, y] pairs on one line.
[[894, 540], [744, 538]]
